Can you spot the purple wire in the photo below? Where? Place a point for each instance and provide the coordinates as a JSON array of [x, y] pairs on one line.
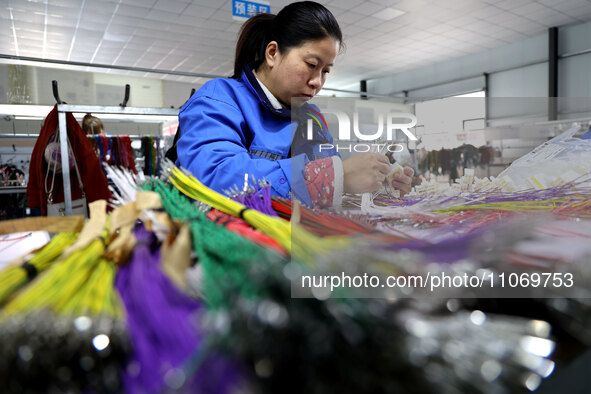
[[453, 248], [259, 200], [562, 191], [163, 327], [445, 251]]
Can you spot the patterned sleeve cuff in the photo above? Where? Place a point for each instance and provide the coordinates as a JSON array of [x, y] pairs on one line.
[[339, 181], [319, 176]]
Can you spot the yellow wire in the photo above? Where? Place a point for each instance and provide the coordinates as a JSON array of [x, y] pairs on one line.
[[294, 238], [544, 205], [14, 277], [71, 285]]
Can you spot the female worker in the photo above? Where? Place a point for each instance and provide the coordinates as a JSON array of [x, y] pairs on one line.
[[92, 125], [243, 125]]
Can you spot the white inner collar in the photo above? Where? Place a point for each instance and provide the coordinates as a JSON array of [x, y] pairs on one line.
[[274, 102]]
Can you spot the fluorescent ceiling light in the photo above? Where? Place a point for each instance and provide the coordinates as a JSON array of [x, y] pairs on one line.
[[25, 111], [473, 94], [136, 118], [388, 14], [21, 110]]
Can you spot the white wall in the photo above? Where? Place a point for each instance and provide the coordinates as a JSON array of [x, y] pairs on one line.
[[4, 89], [75, 87], [515, 70], [517, 87], [575, 83], [177, 93], [458, 73], [20, 84], [518, 95], [527, 81], [144, 92]]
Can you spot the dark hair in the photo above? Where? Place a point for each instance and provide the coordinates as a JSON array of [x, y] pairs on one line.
[[92, 125], [291, 27]]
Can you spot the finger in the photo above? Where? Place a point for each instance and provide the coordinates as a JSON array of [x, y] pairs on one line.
[[399, 185], [408, 171], [383, 168], [382, 158], [375, 188], [401, 178], [381, 177], [403, 187]]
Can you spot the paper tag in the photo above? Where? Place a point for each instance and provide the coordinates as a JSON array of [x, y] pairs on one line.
[[92, 229], [124, 215], [540, 154], [148, 200], [176, 258]]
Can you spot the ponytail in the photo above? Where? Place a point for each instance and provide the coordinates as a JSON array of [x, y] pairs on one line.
[[252, 42], [295, 24], [92, 125]]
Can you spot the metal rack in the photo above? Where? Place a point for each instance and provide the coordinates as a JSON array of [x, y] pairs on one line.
[[12, 189], [122, 109]]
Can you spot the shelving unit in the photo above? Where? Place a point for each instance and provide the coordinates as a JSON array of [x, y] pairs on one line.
[[95, 109], [13, 189]]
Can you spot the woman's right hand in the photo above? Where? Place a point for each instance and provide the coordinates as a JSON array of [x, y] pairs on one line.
[[365, 172]]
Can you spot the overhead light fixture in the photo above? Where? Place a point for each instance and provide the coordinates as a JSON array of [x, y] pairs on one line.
[[388, 14], [480, 93], [30, 112], [25, 110]]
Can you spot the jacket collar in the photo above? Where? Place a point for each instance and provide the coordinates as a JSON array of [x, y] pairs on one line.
[[274, 102]]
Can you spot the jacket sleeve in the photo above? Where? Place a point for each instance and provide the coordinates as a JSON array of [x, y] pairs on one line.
[[324, 180], [213, 147]]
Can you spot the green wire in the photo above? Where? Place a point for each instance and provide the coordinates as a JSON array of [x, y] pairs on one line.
[[226, 257]]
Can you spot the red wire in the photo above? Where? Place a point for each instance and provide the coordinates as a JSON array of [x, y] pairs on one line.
[[15, 239], [241, 227]]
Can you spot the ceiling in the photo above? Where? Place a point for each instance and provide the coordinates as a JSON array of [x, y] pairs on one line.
[[198, 36]]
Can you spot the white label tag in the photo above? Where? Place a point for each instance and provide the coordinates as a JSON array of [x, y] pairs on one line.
[[540, 154]]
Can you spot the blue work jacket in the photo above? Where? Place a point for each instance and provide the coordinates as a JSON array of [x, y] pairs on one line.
[[229, 129]]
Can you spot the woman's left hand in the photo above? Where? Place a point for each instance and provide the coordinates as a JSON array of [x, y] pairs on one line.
[[403, 180]]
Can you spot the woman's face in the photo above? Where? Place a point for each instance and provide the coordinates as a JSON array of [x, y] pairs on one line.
[[298, 74]]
